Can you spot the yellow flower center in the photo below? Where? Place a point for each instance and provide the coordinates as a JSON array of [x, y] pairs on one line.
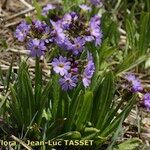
[[61, 65]]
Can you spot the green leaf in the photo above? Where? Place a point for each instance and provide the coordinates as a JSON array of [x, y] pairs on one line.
[[28, 19], [56, 95], [106, 51], [103, 100], [74, 107], [111, 114], [131, 144], [147, 4], [131, 31], [97, 66], [38, 73], [109, 129], [38, 86], [110, 29], [129, 63], [116, 134], [144, 38], [90, 133], [54, 128], [1, 76], [69, 135], [15, 108], [26, 82], [29, 125], [3, 99], [44, 100], [83, 113], [38, 9], [66, 100], [8, 76]]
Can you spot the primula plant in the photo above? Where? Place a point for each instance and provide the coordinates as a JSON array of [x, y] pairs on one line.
[[88, 91], [69, 35]]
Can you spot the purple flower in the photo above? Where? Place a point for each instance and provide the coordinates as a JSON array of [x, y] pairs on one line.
[[136, 86], [47, 8], [37, 24], [130, 77], [74, 15], [65, 44], [78, 45], [95, 31], [135, 83], [74, 66], [85, 7], [36, 47], [146, 99], [22, 31], [95, 21], [40, 26], [68, 82], [57, 33], [96, 2], [88, 71], [61, 66], [66, 20], [89, 38]]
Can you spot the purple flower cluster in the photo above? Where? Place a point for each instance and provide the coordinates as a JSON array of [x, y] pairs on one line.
[[68, 82], [65, 32], [57, 33], [70, 34], [47, 8], [37, 47], [135, 83], [35, 35], [85, 7], [96, 2], [69, 71], [88, 71], [146, 99], [39, 27], [22, 31], [77, 45], [95, 31], [136, 86]]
